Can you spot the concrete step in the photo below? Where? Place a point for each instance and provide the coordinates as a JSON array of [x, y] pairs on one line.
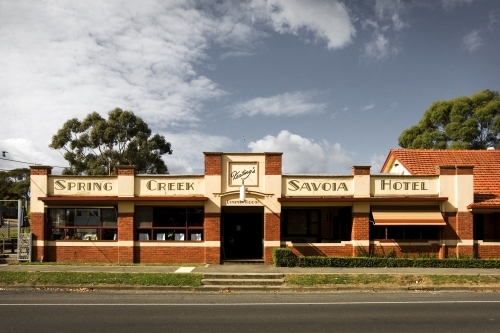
[[242, 282], [8, 258]]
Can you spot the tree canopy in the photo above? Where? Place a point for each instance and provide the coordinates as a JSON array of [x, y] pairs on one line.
[[95, 146], [461, 123], [14, 185]]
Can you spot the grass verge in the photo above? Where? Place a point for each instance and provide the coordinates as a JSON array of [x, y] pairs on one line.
[[77, 278], [394, 280]]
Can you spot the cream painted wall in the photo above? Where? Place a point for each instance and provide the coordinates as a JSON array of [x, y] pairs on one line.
[[212, 192], [38, 188]]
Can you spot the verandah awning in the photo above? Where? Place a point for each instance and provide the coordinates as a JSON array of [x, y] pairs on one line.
[[420, 215]]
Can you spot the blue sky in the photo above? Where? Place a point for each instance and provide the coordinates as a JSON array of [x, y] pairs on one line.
[[330, 83]]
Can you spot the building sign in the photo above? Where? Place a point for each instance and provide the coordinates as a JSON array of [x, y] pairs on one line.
[[327, 186], [169, 185], [238, 202], [90, 186], [404, 185], [243, 173]]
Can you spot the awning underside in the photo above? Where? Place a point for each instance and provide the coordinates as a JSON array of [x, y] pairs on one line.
[[410, 217]]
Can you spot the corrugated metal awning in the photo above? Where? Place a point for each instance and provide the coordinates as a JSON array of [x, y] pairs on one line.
[[420, 215]]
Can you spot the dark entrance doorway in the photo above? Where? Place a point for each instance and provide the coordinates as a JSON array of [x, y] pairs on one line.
[[242, 232]]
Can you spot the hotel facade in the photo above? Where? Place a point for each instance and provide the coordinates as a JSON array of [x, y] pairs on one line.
[[243, 207]]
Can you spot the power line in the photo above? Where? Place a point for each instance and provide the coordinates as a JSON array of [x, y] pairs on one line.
[[7, 159]]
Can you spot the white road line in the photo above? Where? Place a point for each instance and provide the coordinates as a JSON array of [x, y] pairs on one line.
[[242, 304]]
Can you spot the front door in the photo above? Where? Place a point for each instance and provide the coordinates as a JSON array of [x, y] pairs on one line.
[[242, 235]]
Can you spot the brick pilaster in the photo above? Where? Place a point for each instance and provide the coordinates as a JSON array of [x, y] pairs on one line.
[[272, 232], [360, 232], [212, 234], [213, 164], [39, 231], [361, 170], [464, 230], [273, 163], [40, 170], [126, 170], [126, 235]]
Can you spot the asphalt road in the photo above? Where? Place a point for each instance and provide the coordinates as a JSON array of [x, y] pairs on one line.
[[73, 312]]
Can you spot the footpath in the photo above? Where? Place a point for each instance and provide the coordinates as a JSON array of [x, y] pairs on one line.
[[261, 278]]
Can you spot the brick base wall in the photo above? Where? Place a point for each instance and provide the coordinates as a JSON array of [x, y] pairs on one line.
[[412, 251], [324, 251], [268, 254], [84, 254], [212, 255], [169, 255], [488, 251]]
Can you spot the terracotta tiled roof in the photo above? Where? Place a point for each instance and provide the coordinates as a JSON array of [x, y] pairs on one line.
[[486, 168]]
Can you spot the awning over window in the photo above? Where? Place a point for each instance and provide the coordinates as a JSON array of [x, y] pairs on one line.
[[420, 215]]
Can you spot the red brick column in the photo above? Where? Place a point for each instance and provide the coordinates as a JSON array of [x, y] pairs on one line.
[[464, 229], [360, 232], [272, 233], [361, 170], [212, 234], [39, 231], [38, 225], [465, 225], [126, 170], [126, 235], [273, 163], [213, 164]]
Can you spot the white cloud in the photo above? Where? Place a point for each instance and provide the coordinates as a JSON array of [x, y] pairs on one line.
[[21, 153], [302, 155], [188, 150], [387, 23], [452, 4], [287, 104], [327, 19], [367, 107], [472, 41], [378, 48], [391, 10], [61, 60], [493, 19], [234, 54], [376, 162]]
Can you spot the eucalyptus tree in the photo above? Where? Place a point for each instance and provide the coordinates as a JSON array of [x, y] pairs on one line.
[[95, 146], [14, 185], [461, 123]]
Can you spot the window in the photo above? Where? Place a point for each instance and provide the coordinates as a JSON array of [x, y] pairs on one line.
[[486, 227], [301, 222], [340, 224], [83, 223], [169, 223], [404, 232]]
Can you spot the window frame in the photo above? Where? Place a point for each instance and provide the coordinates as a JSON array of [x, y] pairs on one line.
[[308, 211], [68, 228], [159, 228]]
